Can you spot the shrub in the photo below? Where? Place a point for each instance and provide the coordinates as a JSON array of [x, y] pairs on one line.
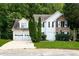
[[62, 37], [77, 37], [6, 35], [43, 37]]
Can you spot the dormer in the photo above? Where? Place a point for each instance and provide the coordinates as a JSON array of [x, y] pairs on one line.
[[23, 23]]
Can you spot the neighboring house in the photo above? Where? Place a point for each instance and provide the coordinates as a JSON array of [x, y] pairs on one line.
[[51, 25], [21, 30]]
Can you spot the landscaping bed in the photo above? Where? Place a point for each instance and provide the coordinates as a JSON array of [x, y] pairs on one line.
[[58, 44], [3, 41]]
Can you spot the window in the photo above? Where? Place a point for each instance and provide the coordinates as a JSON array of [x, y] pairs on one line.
[[18, 35], [65, 32], [58, 32], [23, 25], [52, 24], [43, 24], [62, 23], [56, 23], [48, 24]]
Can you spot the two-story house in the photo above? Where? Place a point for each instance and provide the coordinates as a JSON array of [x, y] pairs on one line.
[[51, 25]]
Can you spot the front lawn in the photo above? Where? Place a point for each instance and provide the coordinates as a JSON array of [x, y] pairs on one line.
[[3, 41], [57, 44]]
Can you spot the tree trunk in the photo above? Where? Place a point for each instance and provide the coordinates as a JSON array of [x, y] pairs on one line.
[[74, 34]]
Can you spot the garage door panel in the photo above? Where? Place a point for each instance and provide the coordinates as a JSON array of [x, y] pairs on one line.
[[18, 37], [26, 37], [21, 35]]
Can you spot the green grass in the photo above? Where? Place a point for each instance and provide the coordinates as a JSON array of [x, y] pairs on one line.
[[3, 41], [58, 44]]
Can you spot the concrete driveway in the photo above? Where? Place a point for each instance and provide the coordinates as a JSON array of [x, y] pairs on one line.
[[18, 44], [39, 52]]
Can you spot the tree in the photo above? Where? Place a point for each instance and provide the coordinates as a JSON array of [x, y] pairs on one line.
[[71, 12], [30, 28], [33, 30], [39, 29], [10, 12], [58, 6]]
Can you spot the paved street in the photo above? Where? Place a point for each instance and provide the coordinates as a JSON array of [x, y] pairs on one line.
[[39, 52]]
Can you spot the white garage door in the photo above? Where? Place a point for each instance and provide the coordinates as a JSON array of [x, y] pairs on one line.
[[26, 37]]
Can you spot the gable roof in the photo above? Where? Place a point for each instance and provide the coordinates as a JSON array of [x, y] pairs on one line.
[[47, 16], [55, 16], [16, 25], [42, 16]]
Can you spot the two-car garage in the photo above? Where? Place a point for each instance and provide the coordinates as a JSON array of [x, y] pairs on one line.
[[21, 35]]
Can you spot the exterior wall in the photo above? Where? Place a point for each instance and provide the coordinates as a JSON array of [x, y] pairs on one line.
[[50, 32], [64, 29], [21, 35], [42, 28]]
